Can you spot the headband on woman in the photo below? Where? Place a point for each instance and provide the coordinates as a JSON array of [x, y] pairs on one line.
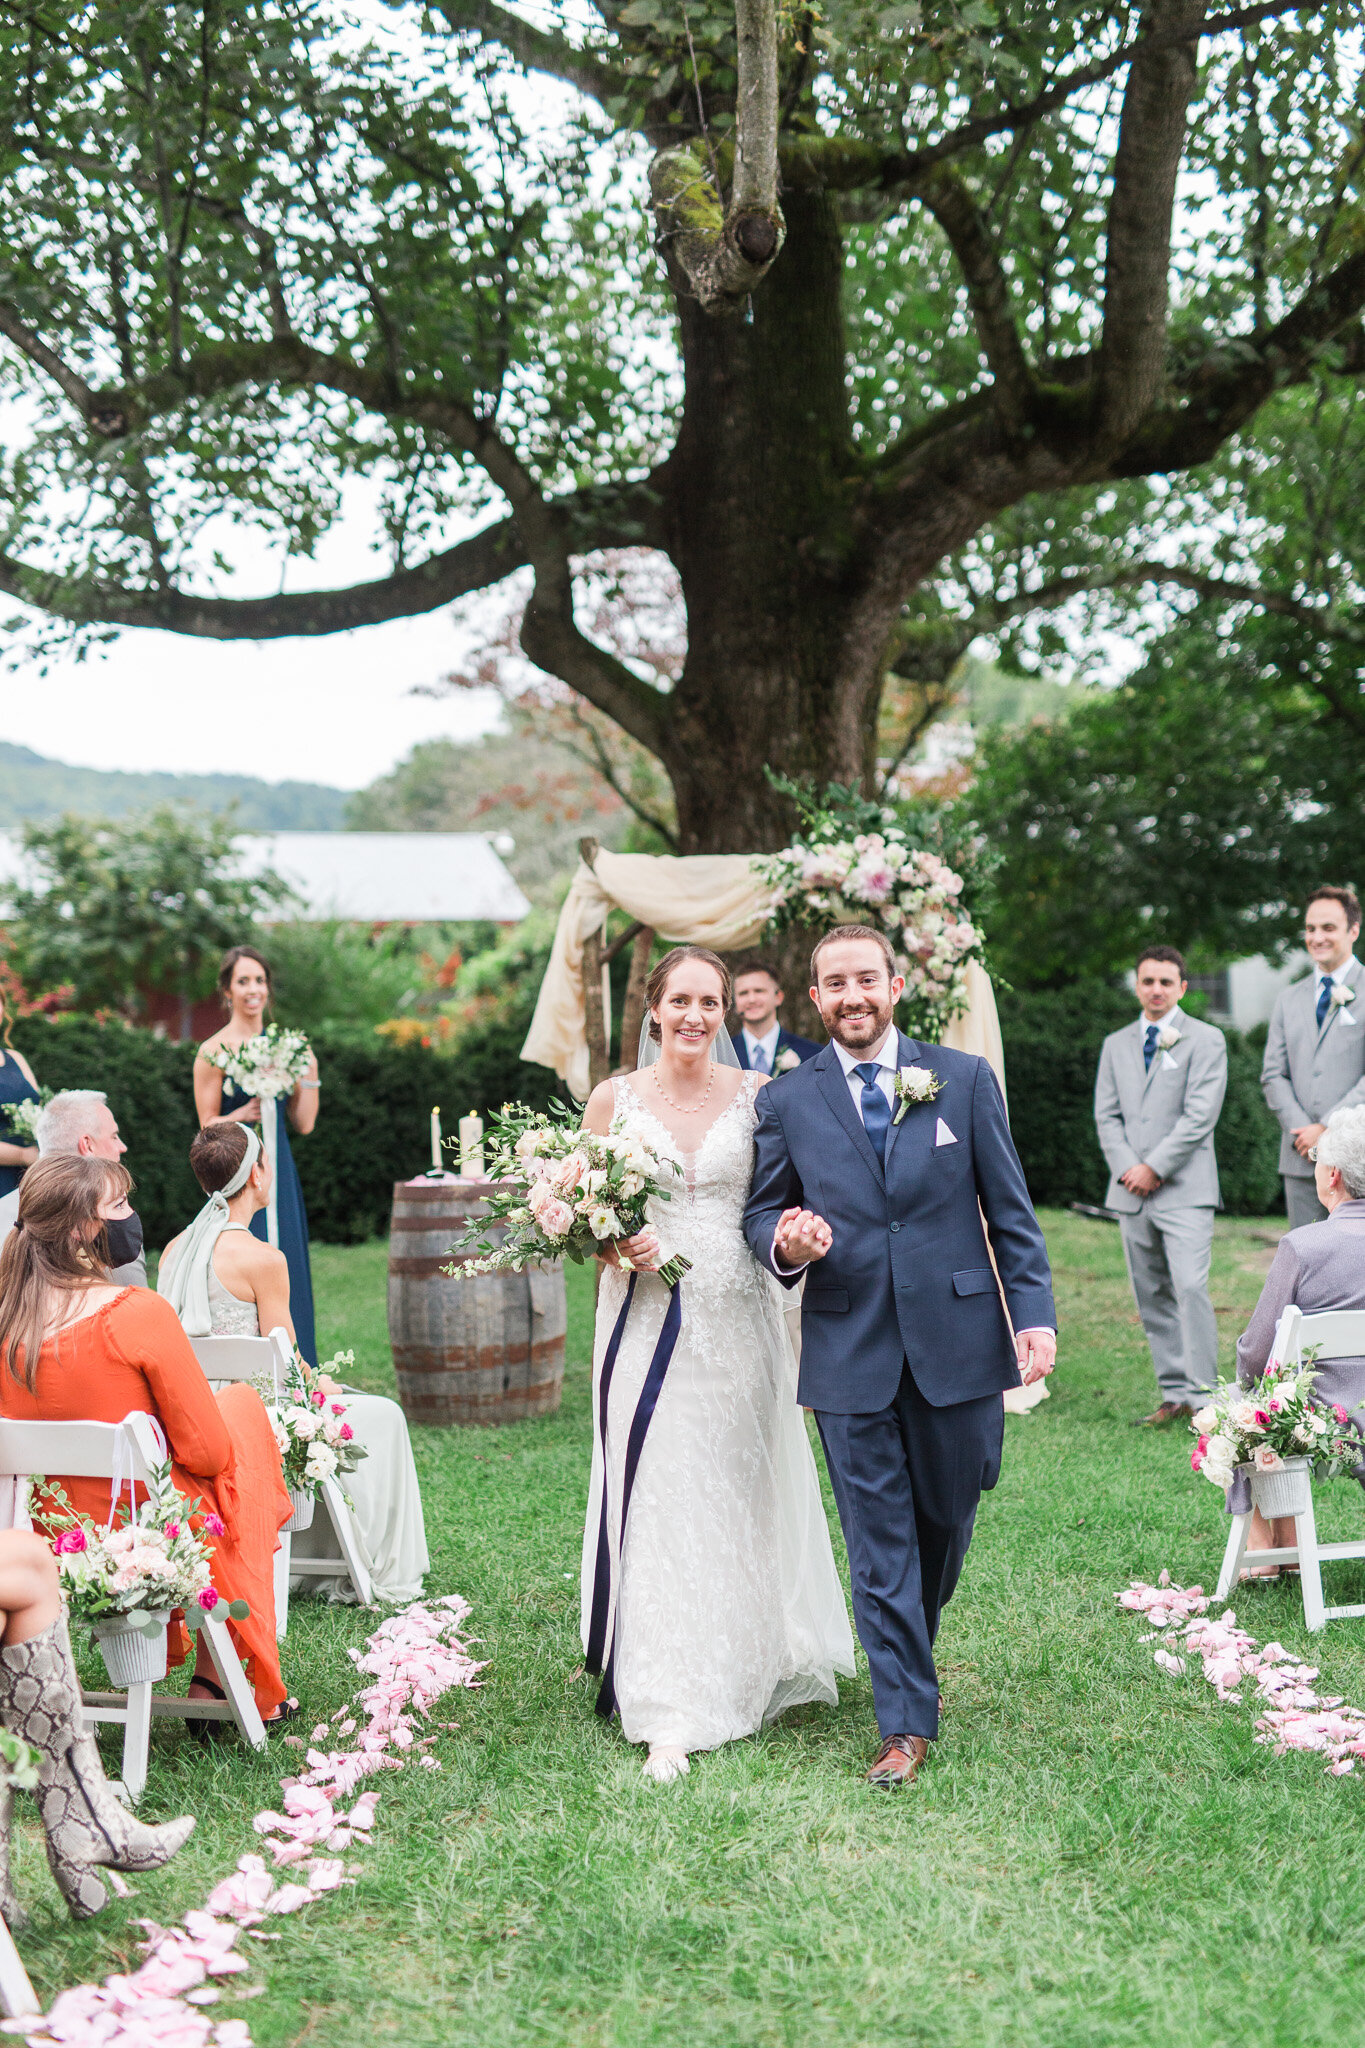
[[186, 1286]]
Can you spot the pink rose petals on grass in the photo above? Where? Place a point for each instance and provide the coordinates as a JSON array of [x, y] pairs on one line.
[[1294, 1716], [411, 1660]]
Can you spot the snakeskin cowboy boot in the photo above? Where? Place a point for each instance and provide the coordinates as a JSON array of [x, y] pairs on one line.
[[40, 1699]]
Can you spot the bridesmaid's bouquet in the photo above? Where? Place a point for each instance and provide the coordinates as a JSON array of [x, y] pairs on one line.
[[565, 1191], [153, 1561], [268, 1066], [22, 1117]]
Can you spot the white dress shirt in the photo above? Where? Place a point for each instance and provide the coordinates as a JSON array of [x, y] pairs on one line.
[[767, 1044]]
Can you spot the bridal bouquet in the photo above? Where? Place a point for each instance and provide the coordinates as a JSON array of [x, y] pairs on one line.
[[315, 1440], [566, 1191], [1274, 1420], [22, 1117], [150, 1563], [268, 1066]]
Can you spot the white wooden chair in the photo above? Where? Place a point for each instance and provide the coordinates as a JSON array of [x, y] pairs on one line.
[[1336, 1333], [248, 1358], [97, 1450]]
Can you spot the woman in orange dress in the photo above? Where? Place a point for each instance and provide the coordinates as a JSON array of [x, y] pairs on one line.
[[75, 1347]]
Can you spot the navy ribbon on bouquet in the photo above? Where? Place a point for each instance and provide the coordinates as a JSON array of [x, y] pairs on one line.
[[600, 1657]]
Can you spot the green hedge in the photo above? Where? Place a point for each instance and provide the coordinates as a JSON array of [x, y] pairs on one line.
[[377, 1099], [373, 1129], [1052, 1048]]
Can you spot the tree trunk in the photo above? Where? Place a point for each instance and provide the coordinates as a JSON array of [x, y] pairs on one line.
[[758, 492]]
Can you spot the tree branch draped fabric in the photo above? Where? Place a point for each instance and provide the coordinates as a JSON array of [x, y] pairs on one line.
[[696, 900]]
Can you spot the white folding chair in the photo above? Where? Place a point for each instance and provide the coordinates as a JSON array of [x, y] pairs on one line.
[[1336, 1333], [226, 1359], [97, 1450], [247, 1358]]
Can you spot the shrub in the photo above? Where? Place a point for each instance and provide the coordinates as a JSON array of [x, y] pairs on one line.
[[1052, 1048]]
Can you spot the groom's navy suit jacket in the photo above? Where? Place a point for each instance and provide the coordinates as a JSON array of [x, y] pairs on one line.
[[908, 1278]]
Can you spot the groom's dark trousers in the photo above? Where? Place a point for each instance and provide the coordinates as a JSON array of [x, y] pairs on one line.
[[905, 1346]]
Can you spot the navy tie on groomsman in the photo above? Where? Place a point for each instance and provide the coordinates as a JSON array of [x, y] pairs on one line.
[[762, 1044], [1158, 1095], [1315, 1048]]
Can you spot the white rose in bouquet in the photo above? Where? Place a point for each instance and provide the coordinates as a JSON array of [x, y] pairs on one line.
[[321, 1462]]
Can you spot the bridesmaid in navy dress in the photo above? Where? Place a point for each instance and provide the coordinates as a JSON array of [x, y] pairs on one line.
[[16, 1085], [245, 986]]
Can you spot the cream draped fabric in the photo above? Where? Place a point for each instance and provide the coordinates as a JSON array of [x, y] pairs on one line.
[[707, 899]]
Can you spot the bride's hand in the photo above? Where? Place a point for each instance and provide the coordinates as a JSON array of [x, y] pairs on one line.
[[245, 1113], [801, 1237], [640, 1251]]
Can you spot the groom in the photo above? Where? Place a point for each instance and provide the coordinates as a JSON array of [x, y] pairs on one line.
[[875, 1183]]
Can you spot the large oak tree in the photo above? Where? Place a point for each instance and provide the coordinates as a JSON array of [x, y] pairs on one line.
[[918, 268]]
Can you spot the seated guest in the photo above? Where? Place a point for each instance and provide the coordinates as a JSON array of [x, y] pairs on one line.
[[1317, 1267], [762, 1043], [224, 1282], [76, 1347], [79, 1123], [40, 1700]]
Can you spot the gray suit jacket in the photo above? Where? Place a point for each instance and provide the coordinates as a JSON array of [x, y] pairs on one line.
[[1308, 1073], [1162, 1117], [134, 1275]]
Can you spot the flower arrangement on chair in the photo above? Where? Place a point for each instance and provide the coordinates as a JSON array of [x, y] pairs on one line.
[[315, 1440]]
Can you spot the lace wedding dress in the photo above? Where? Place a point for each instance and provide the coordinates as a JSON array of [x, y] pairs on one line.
[[730, 1607]]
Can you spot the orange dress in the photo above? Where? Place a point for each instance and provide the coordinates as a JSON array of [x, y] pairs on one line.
[[133, 1354]]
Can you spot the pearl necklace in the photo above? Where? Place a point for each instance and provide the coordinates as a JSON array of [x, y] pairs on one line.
[[685, 1108]]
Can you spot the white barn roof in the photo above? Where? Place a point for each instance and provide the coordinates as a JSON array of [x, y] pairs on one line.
[[390, 877], [368, 877]]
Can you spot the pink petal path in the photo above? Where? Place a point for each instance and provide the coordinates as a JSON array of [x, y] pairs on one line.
[[411, 1660], [1294, 1716]]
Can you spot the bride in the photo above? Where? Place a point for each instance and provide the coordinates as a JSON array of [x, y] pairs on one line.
[[721, 1606]]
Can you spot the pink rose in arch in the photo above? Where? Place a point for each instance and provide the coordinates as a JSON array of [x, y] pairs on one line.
[[73, 1539]]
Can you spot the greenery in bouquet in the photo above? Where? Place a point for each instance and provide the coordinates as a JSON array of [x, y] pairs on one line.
[[859, 862], [268, 1066], [18, 1762], [315, 1440], [145, 1563], [1275, 1420], [566, 1192], [22, 1117]]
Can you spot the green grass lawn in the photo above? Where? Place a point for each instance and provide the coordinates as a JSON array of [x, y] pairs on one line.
[[1098, 1854]]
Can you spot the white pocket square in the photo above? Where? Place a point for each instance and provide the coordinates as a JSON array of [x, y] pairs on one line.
[[943, 1136], [1167, 1061]]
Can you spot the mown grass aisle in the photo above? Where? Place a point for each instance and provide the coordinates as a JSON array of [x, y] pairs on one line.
[[1097, 1854]]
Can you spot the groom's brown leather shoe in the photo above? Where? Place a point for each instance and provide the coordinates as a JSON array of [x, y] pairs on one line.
[[898, 1762]]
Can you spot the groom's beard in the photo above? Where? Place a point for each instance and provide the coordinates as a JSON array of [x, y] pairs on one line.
[[860, 1031]]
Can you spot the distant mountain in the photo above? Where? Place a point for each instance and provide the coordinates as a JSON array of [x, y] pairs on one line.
[[31, 786]]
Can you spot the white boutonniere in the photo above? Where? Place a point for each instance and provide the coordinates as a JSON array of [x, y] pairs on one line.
[[786, 1061], [914, 1084], [1168, 1039]]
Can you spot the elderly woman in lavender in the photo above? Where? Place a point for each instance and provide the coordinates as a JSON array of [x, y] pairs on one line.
[[1319, 1266]]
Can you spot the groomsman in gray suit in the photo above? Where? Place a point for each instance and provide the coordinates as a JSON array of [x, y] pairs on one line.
[[1158, 1095], [1315, 1051]]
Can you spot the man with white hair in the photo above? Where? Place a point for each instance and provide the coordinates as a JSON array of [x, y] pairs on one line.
[[80, 1123], [1319, 1266]]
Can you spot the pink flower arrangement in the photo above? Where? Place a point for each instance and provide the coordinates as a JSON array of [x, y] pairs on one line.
[[70, 1542]]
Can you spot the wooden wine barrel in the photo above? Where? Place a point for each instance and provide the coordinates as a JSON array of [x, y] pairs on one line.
[[487, 1349]]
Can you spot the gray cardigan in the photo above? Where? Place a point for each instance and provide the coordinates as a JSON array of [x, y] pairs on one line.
[[1320, 1266]]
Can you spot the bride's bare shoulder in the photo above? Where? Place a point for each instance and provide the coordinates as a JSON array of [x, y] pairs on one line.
[[600, 1108]]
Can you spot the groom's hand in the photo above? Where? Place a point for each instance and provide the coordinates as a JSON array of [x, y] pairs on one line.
[[1036, 1351], [800, 1238]]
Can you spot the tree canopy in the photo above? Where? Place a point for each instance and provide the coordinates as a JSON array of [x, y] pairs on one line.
[[923, 272]]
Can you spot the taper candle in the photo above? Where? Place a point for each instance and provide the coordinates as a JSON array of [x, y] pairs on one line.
[[436, 1141]]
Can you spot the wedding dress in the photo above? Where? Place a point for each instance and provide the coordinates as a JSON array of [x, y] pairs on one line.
[[727, 1604], [383, 1489]]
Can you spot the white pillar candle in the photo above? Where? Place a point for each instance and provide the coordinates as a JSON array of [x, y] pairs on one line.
[[471, 1146], [436, 1141]]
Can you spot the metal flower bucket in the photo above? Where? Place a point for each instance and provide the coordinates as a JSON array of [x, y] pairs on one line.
[[134, 1651], [304, 1501], [1284, 1491]]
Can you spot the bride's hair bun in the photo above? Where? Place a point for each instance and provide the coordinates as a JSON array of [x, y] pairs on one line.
[[656, 986]]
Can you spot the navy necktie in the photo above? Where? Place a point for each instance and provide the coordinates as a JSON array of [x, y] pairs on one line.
[[1324, 999], [1149, 1045], [876, 1109]]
